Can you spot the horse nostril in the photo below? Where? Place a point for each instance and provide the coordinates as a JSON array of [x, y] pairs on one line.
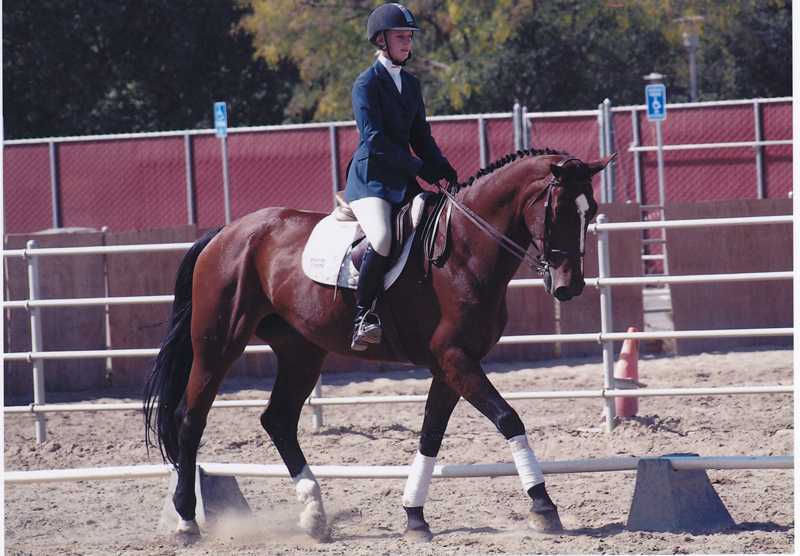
[[562, 294]]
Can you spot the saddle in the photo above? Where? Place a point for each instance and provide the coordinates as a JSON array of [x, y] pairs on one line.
[[336, 246]]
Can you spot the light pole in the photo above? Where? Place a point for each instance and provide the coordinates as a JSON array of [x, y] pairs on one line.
[[690, 26]]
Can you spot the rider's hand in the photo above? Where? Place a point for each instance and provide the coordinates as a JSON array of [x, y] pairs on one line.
[[429, 173], [447, 172]]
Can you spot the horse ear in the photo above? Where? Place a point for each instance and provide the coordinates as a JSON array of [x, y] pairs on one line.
[[557, 171], [598, 165]]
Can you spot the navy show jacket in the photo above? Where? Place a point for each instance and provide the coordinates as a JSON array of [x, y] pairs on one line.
[[388, 122]]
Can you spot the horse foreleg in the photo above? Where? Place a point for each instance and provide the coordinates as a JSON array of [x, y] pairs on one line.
[[299, 365], [438, 408], [465, 376]]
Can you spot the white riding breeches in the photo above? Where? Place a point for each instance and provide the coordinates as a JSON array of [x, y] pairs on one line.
[[375, 217]]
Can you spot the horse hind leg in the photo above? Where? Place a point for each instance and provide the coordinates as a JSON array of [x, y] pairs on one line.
[[214, 355], [299, 367]]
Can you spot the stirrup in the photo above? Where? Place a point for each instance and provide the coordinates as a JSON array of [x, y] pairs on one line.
[[368, 330]]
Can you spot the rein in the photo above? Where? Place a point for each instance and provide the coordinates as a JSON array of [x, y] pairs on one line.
[[538, 263]]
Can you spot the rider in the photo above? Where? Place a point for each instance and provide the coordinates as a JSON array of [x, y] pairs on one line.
[[390, 113]]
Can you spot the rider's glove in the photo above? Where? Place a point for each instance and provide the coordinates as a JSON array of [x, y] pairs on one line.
[[429, 173], [447, 172]]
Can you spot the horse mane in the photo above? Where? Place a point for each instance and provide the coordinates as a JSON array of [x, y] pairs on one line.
[[501, 162]]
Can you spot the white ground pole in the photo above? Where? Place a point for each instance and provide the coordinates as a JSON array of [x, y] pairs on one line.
[[396, 471]]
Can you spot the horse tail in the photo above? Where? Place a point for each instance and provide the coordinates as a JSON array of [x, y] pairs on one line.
[[170, 375]]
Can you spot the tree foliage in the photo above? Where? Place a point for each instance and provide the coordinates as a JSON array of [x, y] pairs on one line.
[[479, 56], [93, 66]]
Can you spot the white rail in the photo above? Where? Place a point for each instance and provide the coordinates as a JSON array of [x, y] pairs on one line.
[[699, 146], [694, 223], [519, 283], [162, 247], [598, 337], [414, 398], [448, 471]]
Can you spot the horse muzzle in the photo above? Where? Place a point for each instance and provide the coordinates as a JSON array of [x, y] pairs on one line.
[[565, 281]]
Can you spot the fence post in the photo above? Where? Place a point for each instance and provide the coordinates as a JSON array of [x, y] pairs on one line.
[[606, 320], [517, 116], [482, 142], [188, 151], [526, 129], [226, 188], [608, 130], [601, 136], [36, 342], [760, 192], [334, 143], [637, 161], [109, 378], [55, 185], [662, 194]]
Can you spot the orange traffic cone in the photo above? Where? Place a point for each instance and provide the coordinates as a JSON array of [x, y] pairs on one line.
[[626, 376]]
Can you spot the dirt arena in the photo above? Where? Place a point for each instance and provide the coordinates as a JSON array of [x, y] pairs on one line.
[[467, 516]]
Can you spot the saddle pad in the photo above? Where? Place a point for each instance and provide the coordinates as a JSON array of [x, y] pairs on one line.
[[325, 249], [326, 256]]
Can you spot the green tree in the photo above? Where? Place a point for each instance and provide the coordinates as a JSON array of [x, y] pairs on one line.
[[92, 66], [746, 49], [476, 56], [327, 41]]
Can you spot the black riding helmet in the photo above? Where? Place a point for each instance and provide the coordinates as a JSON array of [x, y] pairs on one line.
[[390, 16]]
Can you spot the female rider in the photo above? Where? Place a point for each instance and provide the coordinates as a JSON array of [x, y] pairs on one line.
[[390, 114]]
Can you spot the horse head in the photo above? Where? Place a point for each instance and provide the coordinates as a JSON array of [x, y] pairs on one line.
[[569, 207]]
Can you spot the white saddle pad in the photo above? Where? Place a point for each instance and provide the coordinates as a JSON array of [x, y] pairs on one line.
[[326, 257]]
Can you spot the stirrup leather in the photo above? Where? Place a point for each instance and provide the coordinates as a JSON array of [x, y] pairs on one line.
[[367, 330]]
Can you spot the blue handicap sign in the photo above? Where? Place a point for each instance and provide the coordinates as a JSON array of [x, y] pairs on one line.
[[221, 119], [656, 97]]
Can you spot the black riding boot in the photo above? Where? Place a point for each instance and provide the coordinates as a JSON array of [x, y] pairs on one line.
[[367, 326]]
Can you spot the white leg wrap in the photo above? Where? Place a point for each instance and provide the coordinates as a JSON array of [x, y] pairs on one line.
[[419, 479], [530, 472], [312, 517], [187, 526]]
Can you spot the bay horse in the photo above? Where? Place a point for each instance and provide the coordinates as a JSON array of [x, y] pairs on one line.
[[245, 279]]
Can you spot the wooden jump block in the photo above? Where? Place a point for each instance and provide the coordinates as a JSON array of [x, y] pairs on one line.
[[669, 500], [216, 496]]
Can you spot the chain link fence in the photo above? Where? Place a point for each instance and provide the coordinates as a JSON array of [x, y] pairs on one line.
[[26, 191], [151, 181]]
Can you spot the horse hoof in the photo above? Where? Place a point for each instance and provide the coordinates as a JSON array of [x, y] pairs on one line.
[[322, 535], [420, 535], [187, 532], [545, 522]]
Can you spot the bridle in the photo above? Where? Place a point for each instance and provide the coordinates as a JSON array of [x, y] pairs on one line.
[[543, 260]]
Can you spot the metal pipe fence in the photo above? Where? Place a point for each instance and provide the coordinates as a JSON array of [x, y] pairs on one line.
[[63, 176], [604, 337], [421, 398]]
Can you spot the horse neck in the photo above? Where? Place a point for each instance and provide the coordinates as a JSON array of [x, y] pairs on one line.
[[499, 199]]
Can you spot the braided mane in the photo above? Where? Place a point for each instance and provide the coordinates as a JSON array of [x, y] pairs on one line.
[[497, 164]]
